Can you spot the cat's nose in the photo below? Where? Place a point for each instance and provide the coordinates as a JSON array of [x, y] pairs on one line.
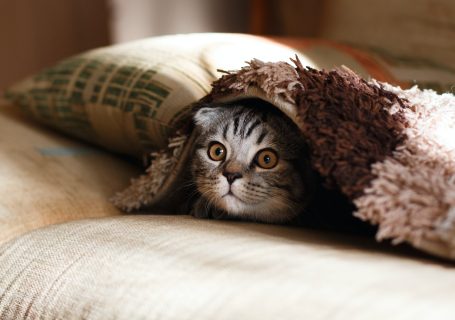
[[232, 176]]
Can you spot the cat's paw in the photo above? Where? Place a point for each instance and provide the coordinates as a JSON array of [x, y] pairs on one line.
[[203, 210], [200, 209], [199, 214]]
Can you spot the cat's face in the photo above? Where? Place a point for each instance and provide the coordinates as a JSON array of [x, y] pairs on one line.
[[248, 163]]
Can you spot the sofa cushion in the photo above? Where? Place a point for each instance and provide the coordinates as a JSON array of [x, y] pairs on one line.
[[177, 267], [46, 178]]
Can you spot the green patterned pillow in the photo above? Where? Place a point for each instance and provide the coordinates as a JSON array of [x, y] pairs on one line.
[[130, 97]]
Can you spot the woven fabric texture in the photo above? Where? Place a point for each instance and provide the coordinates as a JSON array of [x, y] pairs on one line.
[[46, 178], [178, 267]]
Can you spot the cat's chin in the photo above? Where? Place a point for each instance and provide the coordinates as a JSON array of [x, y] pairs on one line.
[[233, 205], [238, 208]]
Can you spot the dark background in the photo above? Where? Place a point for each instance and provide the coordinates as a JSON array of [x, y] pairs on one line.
[[37, 33]]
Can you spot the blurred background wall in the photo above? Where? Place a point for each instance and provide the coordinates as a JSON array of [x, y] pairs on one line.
[[37, 33], [133, 19]]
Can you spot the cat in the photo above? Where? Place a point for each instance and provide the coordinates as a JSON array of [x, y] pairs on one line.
[[250, 162]]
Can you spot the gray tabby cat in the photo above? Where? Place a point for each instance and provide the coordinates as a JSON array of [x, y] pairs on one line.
[[249, 162]]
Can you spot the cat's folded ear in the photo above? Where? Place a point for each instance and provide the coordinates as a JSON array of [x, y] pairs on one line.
[[205, 116]]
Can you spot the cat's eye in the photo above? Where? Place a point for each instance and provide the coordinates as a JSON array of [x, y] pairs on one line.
[[216, 151], [266, 159]]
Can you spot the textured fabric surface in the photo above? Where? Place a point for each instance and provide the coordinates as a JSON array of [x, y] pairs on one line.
[[46, 178], [177, 267]]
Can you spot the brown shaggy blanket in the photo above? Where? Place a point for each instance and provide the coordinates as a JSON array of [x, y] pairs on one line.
[[390, 151]]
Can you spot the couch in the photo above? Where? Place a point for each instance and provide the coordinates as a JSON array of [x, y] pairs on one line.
[[67, 253]]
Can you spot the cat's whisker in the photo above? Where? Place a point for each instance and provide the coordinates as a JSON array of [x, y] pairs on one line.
[[260, 193], [187, 184], [251, 196], [263, 191], [257, 196]]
